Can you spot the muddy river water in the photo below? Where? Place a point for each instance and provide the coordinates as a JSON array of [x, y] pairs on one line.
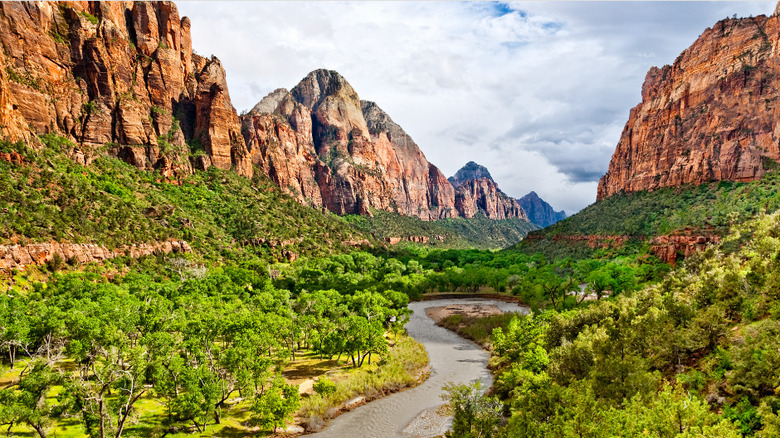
[[413, 413]]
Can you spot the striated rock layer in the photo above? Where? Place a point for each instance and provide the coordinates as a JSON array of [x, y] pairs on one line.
[[482, 196], [712, 115], [20, 256], [116, 76], [540, 212], [323, 145], [681, 244]]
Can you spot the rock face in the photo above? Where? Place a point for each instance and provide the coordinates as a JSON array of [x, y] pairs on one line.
[[712, 115], [320, 143], [540, 212], [482, 196], [477, 193], [20, 256], [116, 76], [470, 171], [682, 243]]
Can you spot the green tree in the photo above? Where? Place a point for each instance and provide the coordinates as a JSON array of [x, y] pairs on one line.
[[275, 406]]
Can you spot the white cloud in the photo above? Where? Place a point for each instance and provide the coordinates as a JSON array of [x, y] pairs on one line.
[[537, 92]]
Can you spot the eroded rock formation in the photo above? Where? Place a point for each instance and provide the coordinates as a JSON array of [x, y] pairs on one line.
[[712, 115], [118, 77], [469, 172], [477, 193], [20, 256], [681, 244], [482, 196], [323, 145]]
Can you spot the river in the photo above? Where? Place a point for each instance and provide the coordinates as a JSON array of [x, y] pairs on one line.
[[412, 413]]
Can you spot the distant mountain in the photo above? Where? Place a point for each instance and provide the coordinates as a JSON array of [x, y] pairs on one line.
[[323, 145], [540, 212], [469, 172], [476, 192]]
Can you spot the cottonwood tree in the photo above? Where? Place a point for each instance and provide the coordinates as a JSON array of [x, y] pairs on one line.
[[26, 402]]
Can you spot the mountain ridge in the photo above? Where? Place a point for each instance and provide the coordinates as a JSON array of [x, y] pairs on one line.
[[325, 146]]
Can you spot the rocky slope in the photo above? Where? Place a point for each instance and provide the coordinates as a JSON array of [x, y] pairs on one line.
[[325, 146], [540, 212], [119, 77], [712, 115]]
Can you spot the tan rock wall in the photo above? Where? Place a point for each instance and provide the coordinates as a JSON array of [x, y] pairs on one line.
[[20, 256]]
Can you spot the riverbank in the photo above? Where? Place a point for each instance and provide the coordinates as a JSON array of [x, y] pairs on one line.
[[406, 366], [417, 412]]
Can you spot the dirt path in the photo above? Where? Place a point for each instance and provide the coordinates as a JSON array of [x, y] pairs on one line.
[[417, 412]]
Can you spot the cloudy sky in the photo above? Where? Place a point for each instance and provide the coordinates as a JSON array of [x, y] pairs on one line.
[[538, 92]]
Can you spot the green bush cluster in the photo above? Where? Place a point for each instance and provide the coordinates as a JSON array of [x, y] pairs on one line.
[[221, 214]]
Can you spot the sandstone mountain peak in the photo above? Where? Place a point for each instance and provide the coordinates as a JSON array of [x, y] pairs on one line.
[[328, 148], [470, 171], [321, 84], [712, 115], [540, 212], [269, 103]]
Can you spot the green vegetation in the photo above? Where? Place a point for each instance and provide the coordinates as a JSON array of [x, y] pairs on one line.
[[618, 343], [477, 232], [91, 18], [693, 355], [79, 347], [222, 215], [710, 207], [478, 329]]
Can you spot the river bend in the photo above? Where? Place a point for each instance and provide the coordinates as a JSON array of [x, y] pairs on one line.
[[411, 413]]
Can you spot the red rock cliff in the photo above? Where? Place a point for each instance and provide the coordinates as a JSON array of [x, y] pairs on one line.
[[482, 195], [120, 76], [322, 144], [712, 115]]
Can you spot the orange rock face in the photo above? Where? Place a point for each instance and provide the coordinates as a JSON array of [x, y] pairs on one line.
[[323, 145], [483, 196], [712, 115], [20, 256], [668, 248], [119, 76]]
